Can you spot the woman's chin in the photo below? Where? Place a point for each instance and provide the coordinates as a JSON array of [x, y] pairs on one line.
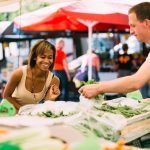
[[45, 69]]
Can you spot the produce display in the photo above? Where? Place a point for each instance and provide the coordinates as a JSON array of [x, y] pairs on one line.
[[41, 138], [92, 118], [126, 111], [50, 109], [97, 117]]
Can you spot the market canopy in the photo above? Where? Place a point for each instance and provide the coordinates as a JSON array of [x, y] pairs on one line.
[[66, 15], [48, 19], [112, 14]]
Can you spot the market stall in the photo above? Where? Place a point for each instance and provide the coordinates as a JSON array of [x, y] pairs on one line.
[[121, 119]]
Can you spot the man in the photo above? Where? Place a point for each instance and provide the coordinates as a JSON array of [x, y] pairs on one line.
[[139, 21], [61, 69], [125, 62]]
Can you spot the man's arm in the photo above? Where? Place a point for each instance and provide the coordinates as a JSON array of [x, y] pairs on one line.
[[120, 85]]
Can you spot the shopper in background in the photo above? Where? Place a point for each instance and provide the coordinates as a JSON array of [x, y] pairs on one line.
[[32, 83], [82, 72], [61, 69], [125, 62], [139, 21]]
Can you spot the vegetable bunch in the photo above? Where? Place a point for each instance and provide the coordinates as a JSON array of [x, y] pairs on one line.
[[51, 114], [126, 111], [98, 97]]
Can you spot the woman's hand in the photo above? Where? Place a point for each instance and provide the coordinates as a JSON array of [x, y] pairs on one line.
[[52, 93]]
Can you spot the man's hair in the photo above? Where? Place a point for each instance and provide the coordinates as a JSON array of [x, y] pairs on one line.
[[59, 40], [125, 46], [142, 11], [38, 49]]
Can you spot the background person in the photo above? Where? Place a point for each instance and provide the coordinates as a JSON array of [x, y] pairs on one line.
[[34, 82], [139, 21], [125, 62], [82, 72], [61, 69]]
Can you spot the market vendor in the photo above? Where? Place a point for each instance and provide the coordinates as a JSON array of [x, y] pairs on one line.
[[32, 83], [139, 21]]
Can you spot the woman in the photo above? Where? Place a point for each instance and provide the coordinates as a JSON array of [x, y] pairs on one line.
[[34, 82]]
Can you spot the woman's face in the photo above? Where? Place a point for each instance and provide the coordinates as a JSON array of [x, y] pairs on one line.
[[45, 60]]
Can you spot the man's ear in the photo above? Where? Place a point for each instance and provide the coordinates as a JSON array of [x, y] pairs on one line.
[[147, 22]]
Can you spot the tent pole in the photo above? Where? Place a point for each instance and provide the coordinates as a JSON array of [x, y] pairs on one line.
[[90, 51], [90, 25]]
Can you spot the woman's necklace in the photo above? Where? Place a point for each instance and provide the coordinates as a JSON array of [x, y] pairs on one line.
[[33, 85]]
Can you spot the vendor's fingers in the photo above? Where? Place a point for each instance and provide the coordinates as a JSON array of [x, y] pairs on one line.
[[80, 90], [84, 93]]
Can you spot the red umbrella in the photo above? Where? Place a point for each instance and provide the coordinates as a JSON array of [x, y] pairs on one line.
[[48, 19], [66, 15], [102, 11]]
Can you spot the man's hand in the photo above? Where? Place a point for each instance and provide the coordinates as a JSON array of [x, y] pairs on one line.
[[89, 91]]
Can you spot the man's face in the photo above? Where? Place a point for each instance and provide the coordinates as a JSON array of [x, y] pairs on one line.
[[137, 28], [60, 45]]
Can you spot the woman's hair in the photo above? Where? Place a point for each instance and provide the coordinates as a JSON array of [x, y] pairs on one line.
[[38, 49], [142, 11]]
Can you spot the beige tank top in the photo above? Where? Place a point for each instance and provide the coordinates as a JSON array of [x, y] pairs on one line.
[[23, 96]]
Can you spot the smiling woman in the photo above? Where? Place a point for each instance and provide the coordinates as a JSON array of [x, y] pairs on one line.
[[34, 82]]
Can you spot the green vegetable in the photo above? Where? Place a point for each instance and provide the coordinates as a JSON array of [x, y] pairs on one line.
[[56, 115], [88, 82], [98, 97], [126, 111]]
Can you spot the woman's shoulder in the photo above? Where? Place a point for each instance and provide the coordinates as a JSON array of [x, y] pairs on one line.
[[17, 73]]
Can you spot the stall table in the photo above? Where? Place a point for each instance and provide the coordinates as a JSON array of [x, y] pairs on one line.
[[134, 132]]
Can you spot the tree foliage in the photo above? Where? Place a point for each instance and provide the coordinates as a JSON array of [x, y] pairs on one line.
[[25, 6]]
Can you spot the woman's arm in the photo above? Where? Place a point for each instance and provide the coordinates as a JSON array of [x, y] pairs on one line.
[[53, 91], [10, 87]]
